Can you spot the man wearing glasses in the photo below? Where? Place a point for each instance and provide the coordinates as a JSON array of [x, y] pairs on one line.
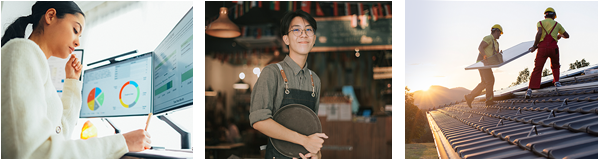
[[288, 82]]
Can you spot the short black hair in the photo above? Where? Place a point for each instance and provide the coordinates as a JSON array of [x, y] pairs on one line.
[[285, 22], [550, 15]]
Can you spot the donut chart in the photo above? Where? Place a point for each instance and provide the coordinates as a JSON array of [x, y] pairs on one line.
[[95, 99], [120, 95]]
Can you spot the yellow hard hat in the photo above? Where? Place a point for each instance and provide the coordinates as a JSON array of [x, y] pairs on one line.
[[549, 9], [497, 27]]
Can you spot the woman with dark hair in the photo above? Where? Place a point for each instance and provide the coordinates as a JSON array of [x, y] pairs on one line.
[[36, 123]]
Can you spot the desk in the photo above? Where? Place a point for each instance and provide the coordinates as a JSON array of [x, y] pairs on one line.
[[159, 154], [217, 148]]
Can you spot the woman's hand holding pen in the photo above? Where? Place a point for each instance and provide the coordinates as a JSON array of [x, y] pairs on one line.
[[73, 68], [138, 140]]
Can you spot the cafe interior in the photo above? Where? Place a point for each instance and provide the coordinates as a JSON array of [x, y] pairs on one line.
[[352, 57]]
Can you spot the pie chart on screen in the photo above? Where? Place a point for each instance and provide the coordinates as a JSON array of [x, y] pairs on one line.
[[95, 99]]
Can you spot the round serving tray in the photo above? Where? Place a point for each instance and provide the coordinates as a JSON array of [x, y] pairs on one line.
[[299, 118]]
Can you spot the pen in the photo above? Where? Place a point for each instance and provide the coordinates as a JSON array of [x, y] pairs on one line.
[[149, 116]]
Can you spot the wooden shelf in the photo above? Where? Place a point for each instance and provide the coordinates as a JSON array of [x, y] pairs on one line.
[[262, 42]]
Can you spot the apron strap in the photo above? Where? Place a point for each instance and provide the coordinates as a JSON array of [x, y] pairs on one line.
[[284, 76], [286, 82], [313, 87]]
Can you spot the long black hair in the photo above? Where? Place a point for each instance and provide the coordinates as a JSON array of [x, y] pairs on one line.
[[39, 9]]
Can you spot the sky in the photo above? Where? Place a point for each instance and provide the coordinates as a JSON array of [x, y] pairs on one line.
[[442, 37]]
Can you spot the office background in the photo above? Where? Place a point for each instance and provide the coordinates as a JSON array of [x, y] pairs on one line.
[[112, 28]]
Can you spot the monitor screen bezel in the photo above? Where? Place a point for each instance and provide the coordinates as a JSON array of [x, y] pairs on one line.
[[151, 105], [181, 106], [81, 60]]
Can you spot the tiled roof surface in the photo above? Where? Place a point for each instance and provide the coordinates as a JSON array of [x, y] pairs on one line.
[[569, 74], [566, 120]]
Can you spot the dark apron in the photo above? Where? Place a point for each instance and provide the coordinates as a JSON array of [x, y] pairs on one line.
[[292, 96]]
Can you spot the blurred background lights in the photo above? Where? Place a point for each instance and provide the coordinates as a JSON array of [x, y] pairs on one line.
[[242, 75]]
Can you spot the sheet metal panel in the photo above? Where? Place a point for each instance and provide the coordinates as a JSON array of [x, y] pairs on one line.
[[508, 55], [572, 133]]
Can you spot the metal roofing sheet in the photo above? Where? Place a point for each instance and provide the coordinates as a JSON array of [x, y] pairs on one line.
[[508, 55], [564, 76], [545, 126]]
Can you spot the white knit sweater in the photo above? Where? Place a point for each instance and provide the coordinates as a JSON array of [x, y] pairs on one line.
[[36, 123]]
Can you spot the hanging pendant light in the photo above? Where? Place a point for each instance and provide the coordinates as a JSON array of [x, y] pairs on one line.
[[223, 27]]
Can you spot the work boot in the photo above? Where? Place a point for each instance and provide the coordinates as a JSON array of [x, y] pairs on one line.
[[557, 84], [490, 103], [528, 95], [469, 100]]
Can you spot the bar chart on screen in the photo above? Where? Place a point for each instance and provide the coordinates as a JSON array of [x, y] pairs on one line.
[[173, 67]]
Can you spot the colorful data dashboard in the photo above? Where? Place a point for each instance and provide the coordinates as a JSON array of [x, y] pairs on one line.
[[122, 88], [173, 67], [155, 82]]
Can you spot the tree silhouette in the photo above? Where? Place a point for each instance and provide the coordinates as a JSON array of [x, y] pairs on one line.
[[578, 64], [415, 119], [524, 75], [522, 78], [546, 72]]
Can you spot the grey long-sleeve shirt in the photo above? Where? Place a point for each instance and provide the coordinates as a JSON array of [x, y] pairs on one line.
[[267, 94]]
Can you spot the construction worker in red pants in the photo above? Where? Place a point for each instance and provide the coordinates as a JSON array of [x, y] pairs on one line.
[[549, 32]]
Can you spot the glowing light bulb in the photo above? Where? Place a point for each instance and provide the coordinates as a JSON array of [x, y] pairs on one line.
[[88, 131], [256, 70]]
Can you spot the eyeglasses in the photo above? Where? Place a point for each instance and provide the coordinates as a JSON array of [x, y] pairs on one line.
[[309, 31]]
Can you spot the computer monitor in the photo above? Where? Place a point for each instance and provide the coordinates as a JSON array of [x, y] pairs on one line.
[[121, 88], [173, 67], [57, 69]]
